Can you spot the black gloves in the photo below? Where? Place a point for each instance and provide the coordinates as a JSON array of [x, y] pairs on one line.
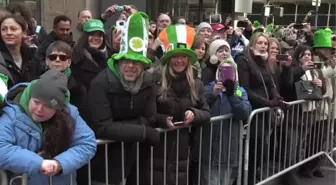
[[229, 87]]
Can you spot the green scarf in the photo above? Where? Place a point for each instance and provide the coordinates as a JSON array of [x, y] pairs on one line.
[[67, 72], [4, 78], [25, 97], [24, 101]]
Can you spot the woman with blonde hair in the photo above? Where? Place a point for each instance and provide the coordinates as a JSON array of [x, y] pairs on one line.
[[256, 79], [180, 103]]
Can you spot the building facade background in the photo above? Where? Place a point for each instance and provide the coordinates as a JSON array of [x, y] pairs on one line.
[[44, 11]]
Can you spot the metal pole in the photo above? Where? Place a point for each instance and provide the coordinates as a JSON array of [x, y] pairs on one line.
[[317, 8], [216, 9], [329, 9], [296, 11]]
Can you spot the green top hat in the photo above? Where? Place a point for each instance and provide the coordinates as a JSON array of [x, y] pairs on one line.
[[134, 41], [177, 39], [322, 38], [93, 25]]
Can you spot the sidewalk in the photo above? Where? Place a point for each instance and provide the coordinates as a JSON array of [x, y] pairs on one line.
[[329, 179]]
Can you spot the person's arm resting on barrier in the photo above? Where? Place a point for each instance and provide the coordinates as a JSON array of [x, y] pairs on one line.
[[201, 110], [134, 130], [83, 146], [13, 157]]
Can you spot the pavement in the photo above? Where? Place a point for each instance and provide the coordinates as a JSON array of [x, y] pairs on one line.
[[329, 178], [328, 170]]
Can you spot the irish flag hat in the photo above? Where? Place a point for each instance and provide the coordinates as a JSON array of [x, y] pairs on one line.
[[177, 39]]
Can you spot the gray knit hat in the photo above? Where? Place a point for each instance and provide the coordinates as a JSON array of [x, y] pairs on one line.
[[52, 89], [203, 25]]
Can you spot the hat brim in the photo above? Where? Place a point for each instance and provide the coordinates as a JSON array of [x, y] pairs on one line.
[[95, 29], [132, 56], [181, 51], [329, 47]]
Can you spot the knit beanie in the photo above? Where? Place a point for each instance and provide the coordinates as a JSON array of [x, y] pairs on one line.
[[203, 25], [213, 48], [52, 89]]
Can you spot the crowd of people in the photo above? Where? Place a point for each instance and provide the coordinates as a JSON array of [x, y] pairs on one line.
[[62, 90]]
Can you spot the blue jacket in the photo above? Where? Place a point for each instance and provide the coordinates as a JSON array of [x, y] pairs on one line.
[[20, 141], [241, 108]]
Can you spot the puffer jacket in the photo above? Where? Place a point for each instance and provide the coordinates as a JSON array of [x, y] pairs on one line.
[[240, 108], [21, 140], [175, 104]]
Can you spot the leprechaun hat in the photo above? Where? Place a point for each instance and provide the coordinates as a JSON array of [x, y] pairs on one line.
[[175, 40], [134, 41]]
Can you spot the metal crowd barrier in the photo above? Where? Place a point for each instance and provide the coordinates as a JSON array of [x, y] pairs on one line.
[[301, 135], [267, 149]]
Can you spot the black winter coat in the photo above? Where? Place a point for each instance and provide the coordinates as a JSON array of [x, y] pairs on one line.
[[120, 116], [78, 94], [250, 75], [209, 73], [30, 66], [178, 101], [86, 66]]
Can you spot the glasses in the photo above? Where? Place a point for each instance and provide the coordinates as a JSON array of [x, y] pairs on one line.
[[62, 58]]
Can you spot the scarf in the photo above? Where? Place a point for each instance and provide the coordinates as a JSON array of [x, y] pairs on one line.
[[132, 87], [24, 102], [263, 56], [67, 72]]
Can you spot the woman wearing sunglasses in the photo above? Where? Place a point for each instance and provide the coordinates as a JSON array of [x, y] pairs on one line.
[[59, 58]]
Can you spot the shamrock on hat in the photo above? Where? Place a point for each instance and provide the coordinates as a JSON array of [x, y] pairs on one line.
[[134, 41], [175, 40]]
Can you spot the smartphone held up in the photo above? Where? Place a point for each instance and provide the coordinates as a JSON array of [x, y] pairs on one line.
[[226, 73]]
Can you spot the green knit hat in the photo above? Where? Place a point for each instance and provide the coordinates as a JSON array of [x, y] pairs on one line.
[[134, 42], [322, 38], [177, 39], [93, 25]]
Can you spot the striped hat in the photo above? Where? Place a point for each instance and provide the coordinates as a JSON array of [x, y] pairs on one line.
[[177, 39]]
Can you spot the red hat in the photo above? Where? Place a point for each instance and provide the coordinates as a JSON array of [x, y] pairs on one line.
[[217, 27]]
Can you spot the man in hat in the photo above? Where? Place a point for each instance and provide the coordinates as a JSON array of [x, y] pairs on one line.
[[322, 44], [123, 105]]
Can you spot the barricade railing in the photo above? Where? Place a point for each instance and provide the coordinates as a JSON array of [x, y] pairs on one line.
[[279, 151], [279, 140]]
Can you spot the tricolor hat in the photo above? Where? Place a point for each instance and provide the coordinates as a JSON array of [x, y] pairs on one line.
[[134, 41], [177, 39]]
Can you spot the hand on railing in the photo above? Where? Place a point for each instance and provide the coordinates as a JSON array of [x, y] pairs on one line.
[[50, 167]]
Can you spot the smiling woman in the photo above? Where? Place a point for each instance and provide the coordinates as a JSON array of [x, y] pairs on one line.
[[179, 98], [18, 65]]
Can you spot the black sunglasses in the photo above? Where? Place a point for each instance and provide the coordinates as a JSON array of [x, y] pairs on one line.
[[53, 57]]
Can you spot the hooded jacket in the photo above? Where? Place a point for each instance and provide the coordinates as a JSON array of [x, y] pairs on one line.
[[21, 140], [240, 108]]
